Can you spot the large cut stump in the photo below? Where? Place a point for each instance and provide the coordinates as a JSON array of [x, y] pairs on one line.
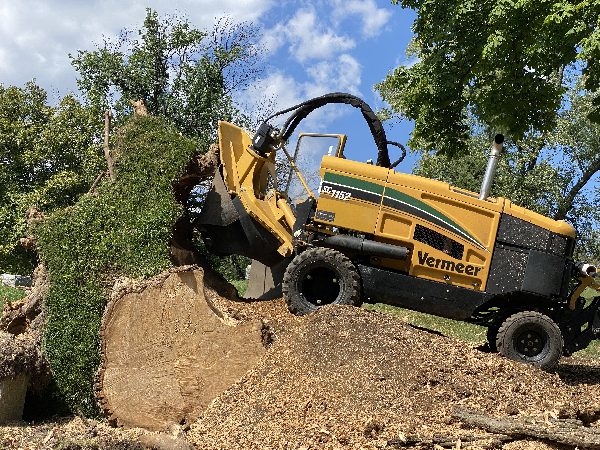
[[166, 354]]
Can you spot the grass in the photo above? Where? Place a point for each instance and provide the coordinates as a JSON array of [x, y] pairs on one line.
[[240, 285], [593, 350], [452, 328], [462, 330], [10, 294]]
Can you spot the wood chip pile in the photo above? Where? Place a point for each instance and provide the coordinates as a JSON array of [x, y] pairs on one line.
[[350, 378], [343, 377]]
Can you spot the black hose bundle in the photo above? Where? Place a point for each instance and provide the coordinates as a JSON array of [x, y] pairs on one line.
[[302, 110]]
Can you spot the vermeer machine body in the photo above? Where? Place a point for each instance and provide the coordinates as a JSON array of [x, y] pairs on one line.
[[372, 233]]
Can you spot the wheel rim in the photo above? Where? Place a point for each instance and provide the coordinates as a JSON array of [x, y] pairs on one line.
[[320, 285], [531, 342]]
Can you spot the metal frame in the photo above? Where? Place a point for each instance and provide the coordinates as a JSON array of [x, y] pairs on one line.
[[339, 153]]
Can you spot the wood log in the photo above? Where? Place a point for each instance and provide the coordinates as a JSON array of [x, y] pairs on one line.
[[481, 440], [554, 430]]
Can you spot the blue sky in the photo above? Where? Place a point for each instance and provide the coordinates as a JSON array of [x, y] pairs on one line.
[[340, 45], [311, 47]]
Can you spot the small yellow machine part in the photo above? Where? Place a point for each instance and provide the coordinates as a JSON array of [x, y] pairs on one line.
[[585, 282]]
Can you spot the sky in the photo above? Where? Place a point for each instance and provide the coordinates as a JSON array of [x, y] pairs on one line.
[[310, 48]]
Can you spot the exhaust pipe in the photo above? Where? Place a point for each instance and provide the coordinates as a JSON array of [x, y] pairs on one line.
[[490, 171]]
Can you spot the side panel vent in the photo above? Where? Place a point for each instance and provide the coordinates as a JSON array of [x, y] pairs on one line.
[[439, 241]]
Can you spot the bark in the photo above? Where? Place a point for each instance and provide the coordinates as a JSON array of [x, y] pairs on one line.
[[202, 167], [562, 431]]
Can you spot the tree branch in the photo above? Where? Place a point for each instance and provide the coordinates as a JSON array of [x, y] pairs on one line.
[[567, 204], [107, 155], [567, 432]]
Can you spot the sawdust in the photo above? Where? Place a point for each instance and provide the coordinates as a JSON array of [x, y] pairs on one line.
[[340, 378], [70, 433], [350, 378]]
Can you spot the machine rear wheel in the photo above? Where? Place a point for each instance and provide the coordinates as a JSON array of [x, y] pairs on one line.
[[531, 337], [318, 277]]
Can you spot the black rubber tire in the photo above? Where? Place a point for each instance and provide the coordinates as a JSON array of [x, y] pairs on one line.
[[318, 277], [532, 338]]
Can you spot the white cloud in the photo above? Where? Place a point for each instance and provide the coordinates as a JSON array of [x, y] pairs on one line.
[[275, 92], [342, 74], [373, 19], [36, 36], [278, 91], [308, 39]]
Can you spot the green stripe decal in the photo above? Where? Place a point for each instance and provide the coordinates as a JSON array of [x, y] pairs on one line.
[[399, 196], [392, 193], [354, 182], [409, 200]]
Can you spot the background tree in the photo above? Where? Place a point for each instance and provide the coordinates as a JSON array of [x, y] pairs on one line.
[[501, 61], [181, 73], [48, 157]]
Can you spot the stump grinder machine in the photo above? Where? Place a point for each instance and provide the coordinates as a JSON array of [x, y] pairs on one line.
[[371, 233]]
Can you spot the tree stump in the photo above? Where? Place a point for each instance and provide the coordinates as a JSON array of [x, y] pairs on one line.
[[167, 352]]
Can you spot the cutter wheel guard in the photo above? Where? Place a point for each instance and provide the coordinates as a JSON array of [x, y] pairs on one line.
[[411, 242]]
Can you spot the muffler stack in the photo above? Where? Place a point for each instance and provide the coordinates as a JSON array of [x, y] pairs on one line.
[[490, 171]]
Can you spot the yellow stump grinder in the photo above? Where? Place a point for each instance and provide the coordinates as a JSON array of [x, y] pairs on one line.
[[372, 233]]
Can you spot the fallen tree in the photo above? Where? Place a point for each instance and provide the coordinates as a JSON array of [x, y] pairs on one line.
[[125, 228]]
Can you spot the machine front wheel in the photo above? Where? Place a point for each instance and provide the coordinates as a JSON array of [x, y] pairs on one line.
[[531, 337], [320, 276]]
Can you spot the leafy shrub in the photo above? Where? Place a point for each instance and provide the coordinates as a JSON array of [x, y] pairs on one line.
[[122, 230]]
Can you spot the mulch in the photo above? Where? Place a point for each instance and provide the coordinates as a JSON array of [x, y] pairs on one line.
[[350, 378], [346, 377]]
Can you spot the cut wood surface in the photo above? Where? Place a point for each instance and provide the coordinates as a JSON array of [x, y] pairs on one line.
[[166, 354]]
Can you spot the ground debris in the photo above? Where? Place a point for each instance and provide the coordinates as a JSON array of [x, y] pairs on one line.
[[69, 434], [350, 378], [561, 431]]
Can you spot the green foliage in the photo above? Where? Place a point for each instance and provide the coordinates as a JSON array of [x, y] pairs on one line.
[[123, 230], [48, 157], [180, 73], [536, 188], [240, 285], [502, 61]]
